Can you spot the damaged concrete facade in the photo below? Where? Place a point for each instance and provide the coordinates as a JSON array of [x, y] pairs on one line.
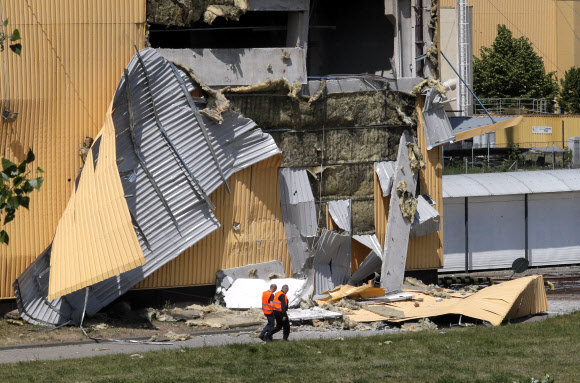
[[336, 127]]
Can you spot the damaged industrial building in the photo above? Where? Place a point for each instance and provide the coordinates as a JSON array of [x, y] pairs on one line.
[[290, 140]]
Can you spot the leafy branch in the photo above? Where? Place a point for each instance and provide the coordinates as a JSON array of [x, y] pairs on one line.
[[15, 36], [15, 186]]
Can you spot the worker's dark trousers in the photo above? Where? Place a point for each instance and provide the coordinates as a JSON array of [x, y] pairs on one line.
[[269, 326], [279, 324]]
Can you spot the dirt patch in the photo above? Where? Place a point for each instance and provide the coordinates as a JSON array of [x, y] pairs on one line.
[[172, 324]]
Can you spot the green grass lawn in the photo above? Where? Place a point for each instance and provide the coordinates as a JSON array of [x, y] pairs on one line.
[[514, 352]]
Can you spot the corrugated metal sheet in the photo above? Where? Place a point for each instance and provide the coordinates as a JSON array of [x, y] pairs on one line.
[[386, 172], [166, 167], [82, 253], [331, 260], [340, 211], [426, 219], [489, 184], [62, 86], [463, 124], [254, 202], [372, 262], [426, 252], [299, 214], [563, 127], [435, 121]]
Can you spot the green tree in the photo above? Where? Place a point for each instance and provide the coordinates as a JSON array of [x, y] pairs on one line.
[[569, 99], [17, 183], [16, 180], [510, 68]]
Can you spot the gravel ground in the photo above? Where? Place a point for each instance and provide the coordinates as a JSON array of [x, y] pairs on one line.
[[565, 299]]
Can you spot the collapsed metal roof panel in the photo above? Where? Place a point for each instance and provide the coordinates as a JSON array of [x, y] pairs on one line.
[[82, 253], [166, 169], [491, 184], [369, 240], [331, 255], [426, 219], [386, 173], [299, 215], [372, 262], [462, 124], [340, 211], [435, 121]]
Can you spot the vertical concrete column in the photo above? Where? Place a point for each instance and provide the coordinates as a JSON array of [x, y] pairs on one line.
[[399, 13]]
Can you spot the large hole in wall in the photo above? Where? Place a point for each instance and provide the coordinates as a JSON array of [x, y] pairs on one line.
[[349, 37], [254, 30]]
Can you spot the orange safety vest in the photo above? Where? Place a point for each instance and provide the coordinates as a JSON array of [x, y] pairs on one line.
[[266, 307], [277, 303]]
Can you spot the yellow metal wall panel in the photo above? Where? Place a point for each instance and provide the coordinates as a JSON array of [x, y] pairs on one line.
[[255, 204], [95, 238], [359, 253], [563, 127], [426, 252], [73, 54], [381, 211]]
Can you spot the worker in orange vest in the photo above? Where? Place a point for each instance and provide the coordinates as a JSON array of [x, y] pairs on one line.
[[280, 307], [267, 298]]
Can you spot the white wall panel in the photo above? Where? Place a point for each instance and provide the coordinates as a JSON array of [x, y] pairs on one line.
[[454, 234], [554, 227], [496, 231]]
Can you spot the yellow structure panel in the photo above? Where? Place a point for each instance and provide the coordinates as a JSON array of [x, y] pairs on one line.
[[563, 127], [381, 210], [73, 54], [426, 252], [95, 238], [254, 204], [550, 25]]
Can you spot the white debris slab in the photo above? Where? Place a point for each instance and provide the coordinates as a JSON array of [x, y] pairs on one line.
[[246, 293], [398, 227], [312, 314]]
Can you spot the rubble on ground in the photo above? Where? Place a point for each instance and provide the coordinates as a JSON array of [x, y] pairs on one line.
[[170, 336], [423, 324]]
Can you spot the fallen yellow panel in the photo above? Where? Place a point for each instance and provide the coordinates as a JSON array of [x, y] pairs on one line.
[[508, 300], [346, 291], [364, 316], [95, 238], [460, 136]]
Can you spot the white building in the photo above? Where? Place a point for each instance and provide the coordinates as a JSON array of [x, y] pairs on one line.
[[491, 219]]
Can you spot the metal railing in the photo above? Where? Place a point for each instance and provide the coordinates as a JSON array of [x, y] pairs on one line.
[[528, 156], [513, 106]]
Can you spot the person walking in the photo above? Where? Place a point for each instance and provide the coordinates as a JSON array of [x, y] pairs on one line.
[[267, 298], [280, 308]]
